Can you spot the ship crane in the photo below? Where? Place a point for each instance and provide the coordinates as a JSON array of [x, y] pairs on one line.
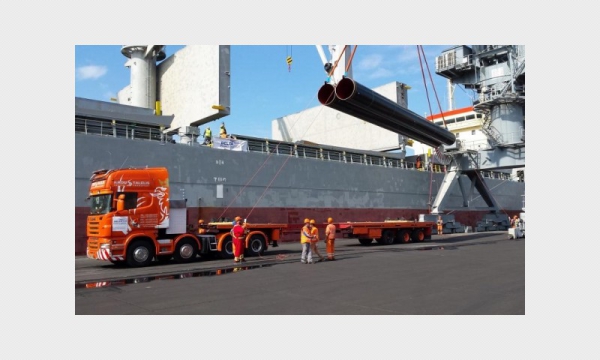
[[496, 72]]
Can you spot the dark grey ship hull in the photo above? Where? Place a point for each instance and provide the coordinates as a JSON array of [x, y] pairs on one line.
[[285, 187]]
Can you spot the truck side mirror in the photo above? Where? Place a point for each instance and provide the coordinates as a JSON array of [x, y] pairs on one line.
[[121, 202]]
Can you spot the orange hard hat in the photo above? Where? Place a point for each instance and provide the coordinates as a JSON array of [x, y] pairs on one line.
[[330, 220], [313, 221], [307, 220], [237, 218], [200, 221]]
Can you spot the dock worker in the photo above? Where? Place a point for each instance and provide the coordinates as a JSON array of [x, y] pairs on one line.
[[238, 232], [440, 224], [330, 239], [513, 222], [201, 229], [314, 242], [517, 221], [305, 239], [223, 131], [207, 136]]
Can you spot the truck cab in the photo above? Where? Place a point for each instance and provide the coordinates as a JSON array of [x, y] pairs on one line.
[[133, 220]]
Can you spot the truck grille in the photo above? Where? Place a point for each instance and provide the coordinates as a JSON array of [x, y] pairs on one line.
[[93, 228]]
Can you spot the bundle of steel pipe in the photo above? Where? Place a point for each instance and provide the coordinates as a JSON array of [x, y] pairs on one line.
[[361, 102]]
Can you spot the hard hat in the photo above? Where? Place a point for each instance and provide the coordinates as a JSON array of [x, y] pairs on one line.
[[200, 221], [237, 218], [330, 220], [307, 220], [313, 221]]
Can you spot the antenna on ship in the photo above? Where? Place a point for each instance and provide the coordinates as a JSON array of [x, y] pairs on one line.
[[142, 63]]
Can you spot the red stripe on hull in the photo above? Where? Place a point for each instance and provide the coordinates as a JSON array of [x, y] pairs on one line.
[[291, 216]]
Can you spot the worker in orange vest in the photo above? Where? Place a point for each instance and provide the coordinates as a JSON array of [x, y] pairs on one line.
[[315, 240], [440, 224], [305, 240], [238, 234], [201, 229], [330, 239]]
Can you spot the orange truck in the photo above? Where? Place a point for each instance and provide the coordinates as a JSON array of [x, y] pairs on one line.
[[387, 232], [133, 221]]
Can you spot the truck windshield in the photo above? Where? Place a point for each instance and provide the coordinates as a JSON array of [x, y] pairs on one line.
[[100, 204]]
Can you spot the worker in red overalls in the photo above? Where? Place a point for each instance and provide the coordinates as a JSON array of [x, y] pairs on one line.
[[238, 234]]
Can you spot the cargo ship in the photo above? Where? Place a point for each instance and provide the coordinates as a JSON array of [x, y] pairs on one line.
[[269, 180]]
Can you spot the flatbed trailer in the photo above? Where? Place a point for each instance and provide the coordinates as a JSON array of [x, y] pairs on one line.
[[387, 232], [258, 237]]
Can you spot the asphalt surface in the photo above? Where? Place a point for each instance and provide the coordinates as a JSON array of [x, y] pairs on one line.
[[481, 273]]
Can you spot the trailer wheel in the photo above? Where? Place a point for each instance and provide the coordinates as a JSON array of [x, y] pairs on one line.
[[186, 250], [365, 241], [387, 238], [418, 235], [404, 236], [227, 248], [140, 253], [256, 247]]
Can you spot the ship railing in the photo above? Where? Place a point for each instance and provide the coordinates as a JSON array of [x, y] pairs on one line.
[[116, 129], [132, 131], [481, 144], [488, 174]]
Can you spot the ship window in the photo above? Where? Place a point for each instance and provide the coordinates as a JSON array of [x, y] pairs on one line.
[[479, 116], [439, 122], [130, 199], [473, 132], [457, 134], [450, 121], [470, 117], [462, 118]]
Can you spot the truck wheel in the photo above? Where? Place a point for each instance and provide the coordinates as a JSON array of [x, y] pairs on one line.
[[186, 250], [418, 235], [256, 247], [227, 248], [140, 253], [404, 236], [365, 241], [387, 238]]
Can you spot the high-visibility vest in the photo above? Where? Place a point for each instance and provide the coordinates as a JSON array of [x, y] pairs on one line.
[[331, 229], [305, 234], [207, 133], [314, 232]]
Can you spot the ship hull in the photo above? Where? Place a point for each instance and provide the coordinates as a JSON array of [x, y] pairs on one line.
[[266, 187]]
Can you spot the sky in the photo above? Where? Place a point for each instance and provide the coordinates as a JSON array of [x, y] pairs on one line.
[[263, 88]]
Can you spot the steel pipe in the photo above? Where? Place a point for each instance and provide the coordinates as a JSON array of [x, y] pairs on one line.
[[327, 97], [390, 113]]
